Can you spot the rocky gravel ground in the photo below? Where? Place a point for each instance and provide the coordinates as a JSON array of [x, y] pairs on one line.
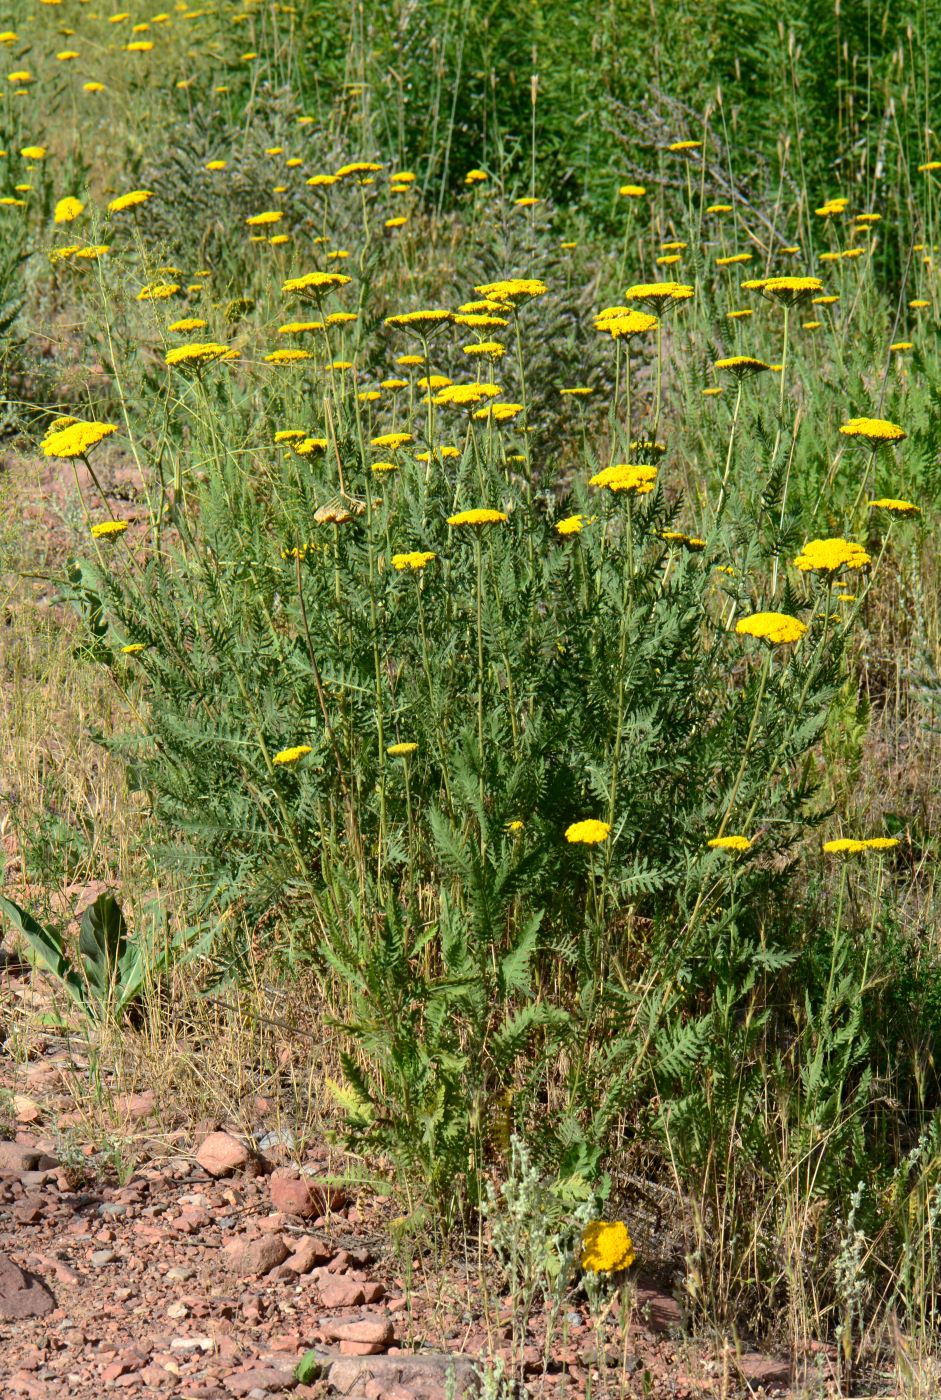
[[213, 1275]]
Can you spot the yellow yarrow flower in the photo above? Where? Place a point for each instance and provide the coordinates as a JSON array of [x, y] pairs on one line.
[[391, 440], [67, 209], [400, 750], [199, 353], [315, 282], [129, 201], [75, 439], [108, 529], [291, 755], [829, 556], [874, 430], [571, 525], [414, 560], [900, 507], [626, 476], [589, 832], [730, 843], [478, 516], [777, 628], [513, 289], [606, 1247]]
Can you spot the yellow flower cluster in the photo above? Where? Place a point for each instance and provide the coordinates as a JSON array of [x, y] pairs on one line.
[[606, 1247], [75, 439], [830, 556]]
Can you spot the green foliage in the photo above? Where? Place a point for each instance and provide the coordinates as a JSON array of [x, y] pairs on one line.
[[107, 977]]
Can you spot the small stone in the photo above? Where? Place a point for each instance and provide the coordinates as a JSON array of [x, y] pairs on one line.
[[361, 1348], [297, 1195], [21, 1294], [26, 1110], [180, 1273], [367, 1331], [101, 1257], [135, 1106], [220, 1154], [255, 1258], [309, 1253], [259, 1378], [342, 1293], [15, 1159]]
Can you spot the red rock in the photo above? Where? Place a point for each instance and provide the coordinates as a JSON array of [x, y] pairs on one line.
[[308, 1254], [259, 1378], [27, 1110], [15, 1158], [340, 1262], [373, 1292], [220, 1154], [361, 1348], [255, 1258], [22, 1295], [342, 1293], [135, 1106], [367, 1331], [300, 1195], [763, 1370]]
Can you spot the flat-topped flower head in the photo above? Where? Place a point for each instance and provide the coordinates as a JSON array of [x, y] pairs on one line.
[[434, 382], [730, 843], [789, 291], [719, 209], [589, 832], [300, 327], [633, 191], [895, 505], [391, 440], [489, 349], [900, 346], [659, 296], [414, 560], [432, 316], [475, 177], [286, 356], [358, 167], [479, 516], [571, 525], [513, 289], [776, 628], [929, 166], [131, 200], [307, 446], [401, 750], [875, 431], [285, 757], [158, 291], [199, 352], [314, 282], [479, 321], [290, 435], [742, 366], [499, 412], [845, 845], [733, 259], [638, 478], [830, 556], [188, 323], [108, 529], [67, 209], [75, 439], [606, 1247], [681, 147], [621, 322], [132, 648], [461, 395], [267, 216]]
